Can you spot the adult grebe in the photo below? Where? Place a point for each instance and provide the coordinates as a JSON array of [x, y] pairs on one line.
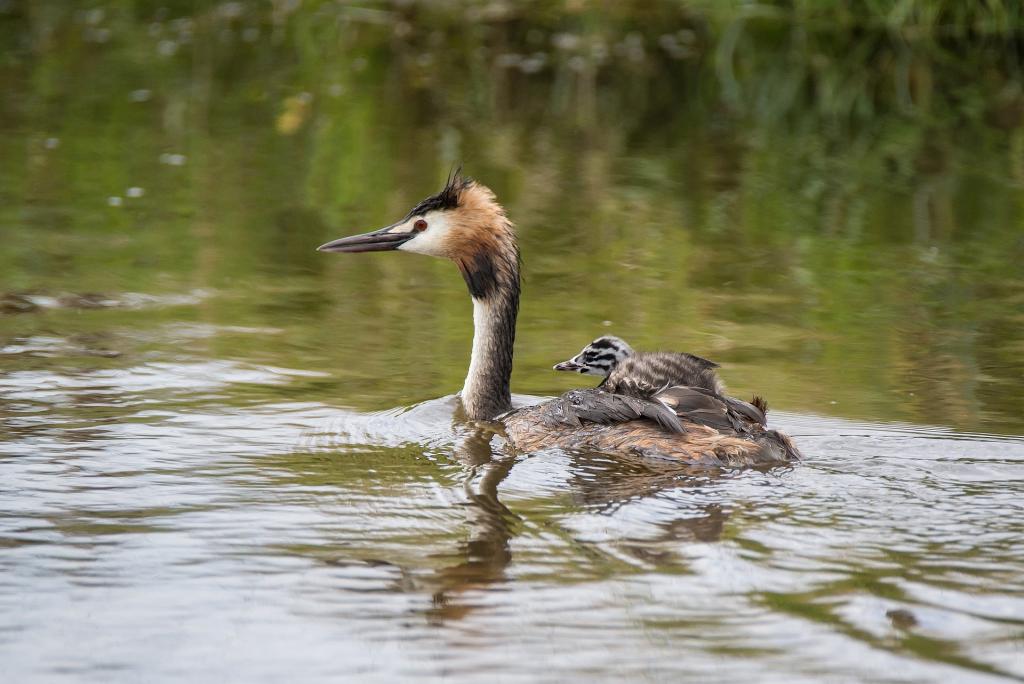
[[465, 224]]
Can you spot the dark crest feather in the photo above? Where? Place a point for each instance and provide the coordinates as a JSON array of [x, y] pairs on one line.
[[447, 199]]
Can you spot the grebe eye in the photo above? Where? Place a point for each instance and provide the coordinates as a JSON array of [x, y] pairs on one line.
[[419, 226]]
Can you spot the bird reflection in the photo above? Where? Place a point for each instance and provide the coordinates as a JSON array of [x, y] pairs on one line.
[[481, 559], [604, 484], [599, 483]]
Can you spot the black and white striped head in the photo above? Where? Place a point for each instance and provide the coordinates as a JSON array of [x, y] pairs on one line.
[[598, 358]]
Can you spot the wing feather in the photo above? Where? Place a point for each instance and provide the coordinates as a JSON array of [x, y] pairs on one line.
[[708, 408], [597, 406]]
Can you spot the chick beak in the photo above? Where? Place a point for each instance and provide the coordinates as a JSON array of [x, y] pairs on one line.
[[382, 240], [569, 365]]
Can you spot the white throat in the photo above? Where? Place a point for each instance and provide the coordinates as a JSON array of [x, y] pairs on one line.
[[483, 333]]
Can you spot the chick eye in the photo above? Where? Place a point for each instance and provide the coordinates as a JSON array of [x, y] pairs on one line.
[[419, 226]]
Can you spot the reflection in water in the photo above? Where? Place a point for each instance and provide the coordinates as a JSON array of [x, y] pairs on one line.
[[598, 483], [349, 529], [483, 557], [604, 485]]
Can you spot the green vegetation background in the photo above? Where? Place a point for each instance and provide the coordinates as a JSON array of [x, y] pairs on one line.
[[824, 196]]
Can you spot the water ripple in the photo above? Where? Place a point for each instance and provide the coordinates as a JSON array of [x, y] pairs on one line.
[[300, 522]]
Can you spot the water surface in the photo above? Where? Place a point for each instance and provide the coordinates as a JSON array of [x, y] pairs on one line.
[[225, 456]]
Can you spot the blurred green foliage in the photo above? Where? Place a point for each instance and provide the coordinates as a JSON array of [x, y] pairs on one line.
[[825, 196]]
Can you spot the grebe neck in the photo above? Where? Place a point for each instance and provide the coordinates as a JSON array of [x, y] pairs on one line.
[[493, 282]]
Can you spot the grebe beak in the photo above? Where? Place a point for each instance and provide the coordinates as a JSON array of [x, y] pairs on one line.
[[567, 366], [381, 240]]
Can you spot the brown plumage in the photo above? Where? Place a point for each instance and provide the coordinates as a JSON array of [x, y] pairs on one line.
[[709, 429], [465, 224], [542, 426]]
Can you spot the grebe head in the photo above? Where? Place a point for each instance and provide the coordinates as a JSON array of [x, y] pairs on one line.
[[464, 223], [598, 358]]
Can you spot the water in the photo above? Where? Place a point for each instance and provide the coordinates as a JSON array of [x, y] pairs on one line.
[[225, 456]]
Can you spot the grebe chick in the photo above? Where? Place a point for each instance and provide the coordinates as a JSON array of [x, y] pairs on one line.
[[682, 381], [465, 224], [626, 371]]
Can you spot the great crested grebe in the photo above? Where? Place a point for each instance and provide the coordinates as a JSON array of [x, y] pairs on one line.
[[465, 224]]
